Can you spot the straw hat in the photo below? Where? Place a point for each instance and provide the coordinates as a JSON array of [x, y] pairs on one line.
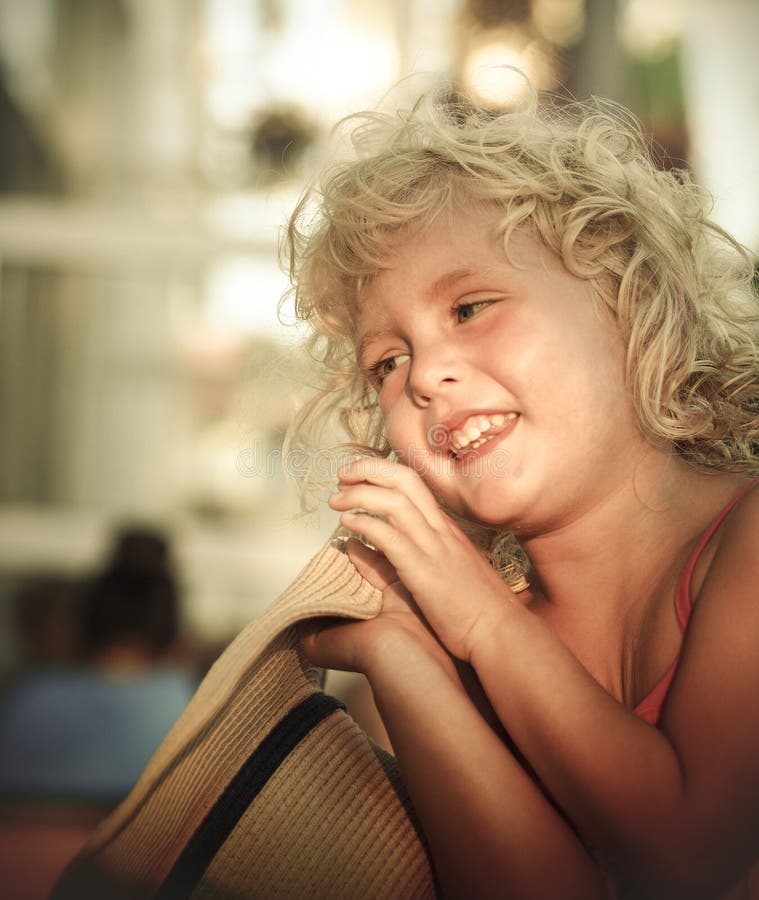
[[265, 787]]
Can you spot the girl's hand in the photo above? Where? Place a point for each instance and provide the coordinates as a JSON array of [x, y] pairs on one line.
[[361, 646], [456, 590]]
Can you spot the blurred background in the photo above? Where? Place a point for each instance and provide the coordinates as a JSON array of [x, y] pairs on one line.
[[150, 151]]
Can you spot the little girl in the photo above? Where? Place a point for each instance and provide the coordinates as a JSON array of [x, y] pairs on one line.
[[551, 356]]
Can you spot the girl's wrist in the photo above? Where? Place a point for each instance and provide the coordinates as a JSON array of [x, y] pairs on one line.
[[487, 636], [399, 658]]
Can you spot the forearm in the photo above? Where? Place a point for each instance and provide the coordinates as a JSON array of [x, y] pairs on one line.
[[619, 780], [492, 832]]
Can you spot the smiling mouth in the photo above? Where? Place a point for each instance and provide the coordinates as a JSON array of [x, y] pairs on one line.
[[476, 431]]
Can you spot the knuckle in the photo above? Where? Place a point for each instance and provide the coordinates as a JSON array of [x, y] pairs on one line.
[[398, 502], [392, 540], [408, 474]]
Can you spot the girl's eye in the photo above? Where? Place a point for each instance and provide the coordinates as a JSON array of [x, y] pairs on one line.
[[386, 366], [466, 311], [380, 370]]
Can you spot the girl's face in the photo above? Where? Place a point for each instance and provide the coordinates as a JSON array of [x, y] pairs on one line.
[[499, 382]]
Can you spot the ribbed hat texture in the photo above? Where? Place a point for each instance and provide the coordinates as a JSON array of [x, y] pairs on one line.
[[265, 787]]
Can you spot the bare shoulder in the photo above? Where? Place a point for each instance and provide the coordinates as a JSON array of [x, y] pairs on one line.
[[726, 606], [710, 713], [726, 578], [735, 563], [727, 599]]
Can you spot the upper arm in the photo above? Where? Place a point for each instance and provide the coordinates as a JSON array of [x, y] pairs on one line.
[[711, 715]]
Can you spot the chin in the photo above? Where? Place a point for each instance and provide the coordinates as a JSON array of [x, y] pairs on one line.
[[487, 514]]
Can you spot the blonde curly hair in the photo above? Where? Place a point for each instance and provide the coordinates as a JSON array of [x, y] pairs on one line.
[[581, 178]]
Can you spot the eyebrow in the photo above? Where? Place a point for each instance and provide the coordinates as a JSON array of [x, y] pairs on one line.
[[444, 284], [369, 338]]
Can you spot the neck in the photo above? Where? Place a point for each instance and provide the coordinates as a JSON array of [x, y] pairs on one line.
[[606, 578], [639, 517]]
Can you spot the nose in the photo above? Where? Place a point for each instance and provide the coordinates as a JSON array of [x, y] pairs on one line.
[[434, 370]]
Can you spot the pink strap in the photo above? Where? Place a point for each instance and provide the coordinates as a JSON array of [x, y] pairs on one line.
[[683, 598], [649, 708]]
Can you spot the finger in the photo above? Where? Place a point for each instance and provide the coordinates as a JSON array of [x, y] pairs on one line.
[[400, 511], [399, 549], [397, 595], [371, 565], [387, 473], [320, 640], [308, 632]]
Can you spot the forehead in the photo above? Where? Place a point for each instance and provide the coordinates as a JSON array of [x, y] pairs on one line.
[[437, 251], [448, 257]]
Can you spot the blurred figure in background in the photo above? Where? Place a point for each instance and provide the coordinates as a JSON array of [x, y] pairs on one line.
[[130, 610], [100, 683], [87, 731]]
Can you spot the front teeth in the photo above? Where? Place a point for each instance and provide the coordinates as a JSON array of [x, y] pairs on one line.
[[471, 436]]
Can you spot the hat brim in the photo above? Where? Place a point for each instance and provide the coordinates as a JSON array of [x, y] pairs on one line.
[[265, 787]]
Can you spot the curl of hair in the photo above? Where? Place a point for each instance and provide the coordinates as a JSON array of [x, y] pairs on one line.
[[579, 176]]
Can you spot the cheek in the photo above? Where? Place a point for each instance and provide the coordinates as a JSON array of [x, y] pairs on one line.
[[401, 437], [395, 417], [409, 443], [395, 433]]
